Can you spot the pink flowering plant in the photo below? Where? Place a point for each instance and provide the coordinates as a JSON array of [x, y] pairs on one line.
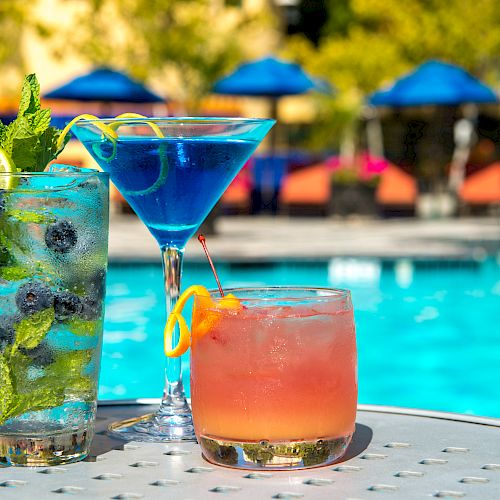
[[364, 169]]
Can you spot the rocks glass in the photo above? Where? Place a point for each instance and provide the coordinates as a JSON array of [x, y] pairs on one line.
[[273, 377]]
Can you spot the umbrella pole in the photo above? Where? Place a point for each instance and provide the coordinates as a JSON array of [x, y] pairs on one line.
[[464, 138], [374, 135]]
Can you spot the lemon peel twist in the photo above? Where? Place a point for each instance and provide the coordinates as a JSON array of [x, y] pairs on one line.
[[109, 131], [163, 160], [105, 129], [152, 125], [229, 302]]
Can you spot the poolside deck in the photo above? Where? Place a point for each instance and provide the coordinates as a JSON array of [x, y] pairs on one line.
[[278, 238]]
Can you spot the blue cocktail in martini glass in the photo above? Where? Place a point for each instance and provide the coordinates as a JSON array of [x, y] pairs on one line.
[[171, 171]]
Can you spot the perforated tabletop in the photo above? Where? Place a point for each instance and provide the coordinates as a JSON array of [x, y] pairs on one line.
[[395, 453]]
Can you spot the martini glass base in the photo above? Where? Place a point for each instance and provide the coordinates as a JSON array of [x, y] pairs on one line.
[[155, 428]]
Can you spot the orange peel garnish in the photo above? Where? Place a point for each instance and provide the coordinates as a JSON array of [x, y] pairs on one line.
[[176, 317], [184, 338], [229, 302]]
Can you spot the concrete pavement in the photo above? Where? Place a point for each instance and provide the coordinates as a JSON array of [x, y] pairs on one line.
[[277, 238]]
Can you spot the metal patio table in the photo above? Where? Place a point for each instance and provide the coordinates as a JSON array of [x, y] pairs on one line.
[[395, 453]]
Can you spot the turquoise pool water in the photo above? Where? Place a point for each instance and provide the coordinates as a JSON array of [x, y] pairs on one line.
[[428, 331]]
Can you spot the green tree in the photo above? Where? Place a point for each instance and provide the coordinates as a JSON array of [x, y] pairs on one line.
[[13, 14], [193, 42], [368, 43], [339, 17]]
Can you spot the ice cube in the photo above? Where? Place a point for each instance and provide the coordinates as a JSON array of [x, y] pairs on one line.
[[61, 167]]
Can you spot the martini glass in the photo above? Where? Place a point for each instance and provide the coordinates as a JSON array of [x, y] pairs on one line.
[[171, 171]]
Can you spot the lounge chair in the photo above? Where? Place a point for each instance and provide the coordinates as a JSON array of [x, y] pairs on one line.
[[396, 192], [307, 191], [482, 188]]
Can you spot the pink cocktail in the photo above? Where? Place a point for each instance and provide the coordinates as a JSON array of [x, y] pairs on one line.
[[273, 376]]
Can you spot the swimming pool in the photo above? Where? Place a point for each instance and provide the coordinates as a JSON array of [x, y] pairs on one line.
[[428, 332]]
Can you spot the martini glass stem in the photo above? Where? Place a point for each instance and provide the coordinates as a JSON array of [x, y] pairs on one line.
[[174, 410]]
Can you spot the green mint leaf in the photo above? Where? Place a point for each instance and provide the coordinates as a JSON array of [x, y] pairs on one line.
[[24, 154], [81, 327], [24, 144], [29, 140], [39, 399], [31, 330], [63, 379], [11, 236], [83, 384], [5, 256], [8, 138], [6, 390], [67, 373], [19, 367], [21, 128], [40, 121], [48, 150], [3, 129], [69, 364], [18, 393], [82, 388], [14, 273], [31, 217], [5, 246], [30, 95]]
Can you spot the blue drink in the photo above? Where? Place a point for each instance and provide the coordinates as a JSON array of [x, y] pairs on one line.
[[172, 183]]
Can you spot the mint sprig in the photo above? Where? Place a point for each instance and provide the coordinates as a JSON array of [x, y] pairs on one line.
[[29, 140], [82, 327], [6, 390], [66, 377], [31, 143]]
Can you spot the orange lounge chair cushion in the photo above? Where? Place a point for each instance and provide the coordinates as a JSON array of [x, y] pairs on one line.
[[396, 187], [308, 186], [482, 187]]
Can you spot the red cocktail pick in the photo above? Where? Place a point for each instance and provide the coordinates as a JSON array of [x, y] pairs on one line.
[[203, 242]]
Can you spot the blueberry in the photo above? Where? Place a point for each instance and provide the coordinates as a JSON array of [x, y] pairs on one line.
[[41, 355], [33, 297], [66, 305], [7, 330], [61, 236]]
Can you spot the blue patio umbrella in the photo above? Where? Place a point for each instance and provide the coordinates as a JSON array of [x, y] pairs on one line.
[[435, 83], [268, 77], [271, 78], [106, 85], [442, 84]]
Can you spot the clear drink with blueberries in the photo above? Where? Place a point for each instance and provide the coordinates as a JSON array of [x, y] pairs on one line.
[[53, 259]]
